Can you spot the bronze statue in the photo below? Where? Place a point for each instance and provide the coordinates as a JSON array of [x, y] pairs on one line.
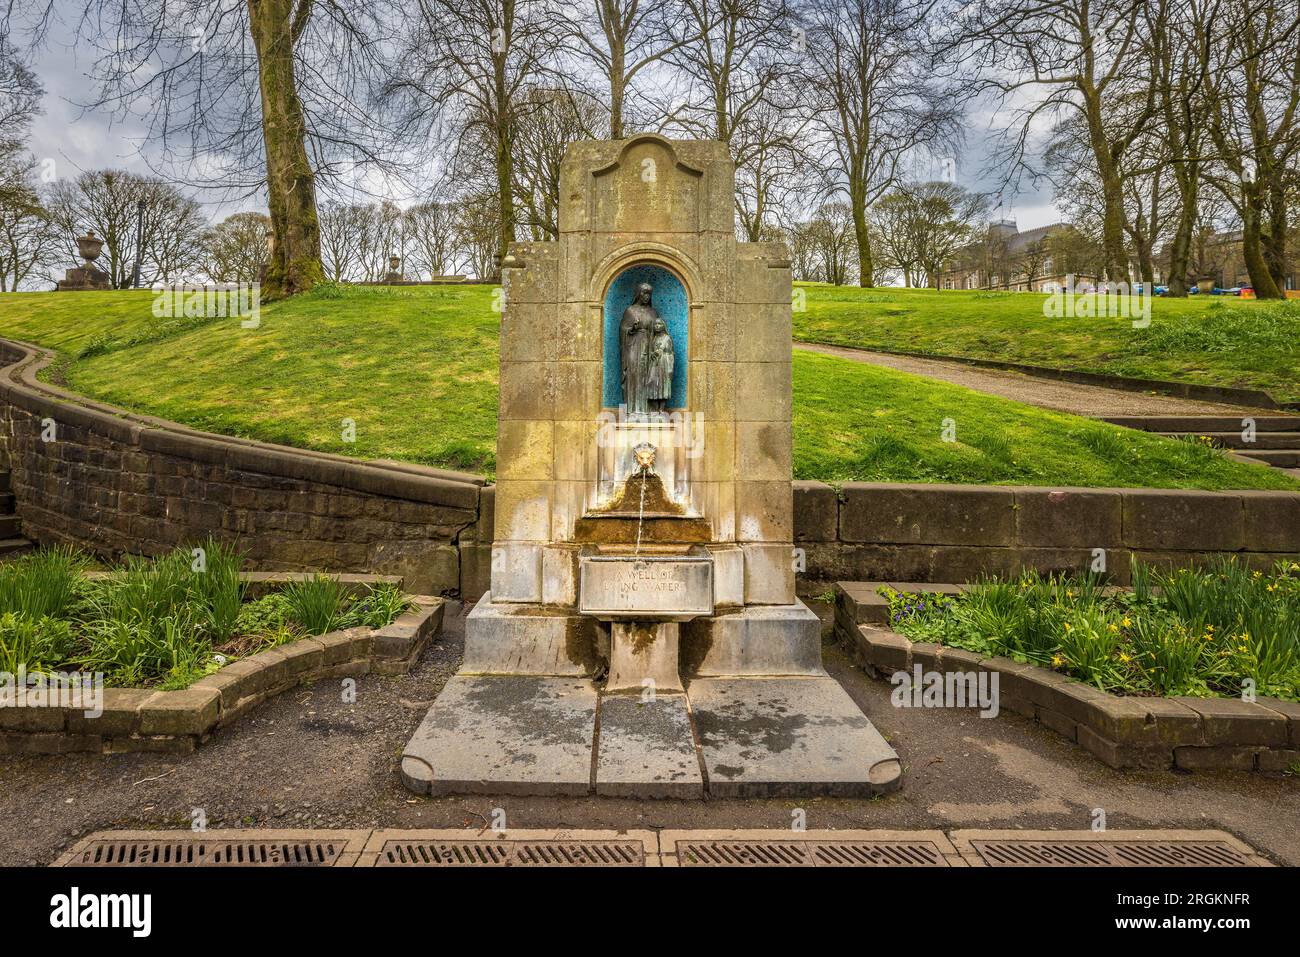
[[659, 368], [637, 338]]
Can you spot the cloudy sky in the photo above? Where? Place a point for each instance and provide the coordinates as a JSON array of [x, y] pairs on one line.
[[78, 139]]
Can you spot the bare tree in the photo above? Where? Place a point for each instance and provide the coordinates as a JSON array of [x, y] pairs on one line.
[[238, 248], [341, 226], [20, 96], [431, 231], [832, 236], [772, 169], [1179, 50], [875, 99], [476, 233], [29, 241], [1076, 59], [1252, 82], [944, 221], [622, 38], [894, 234], [107, 201], [249, 95], [549, 120], [732, 53], [466, 68]]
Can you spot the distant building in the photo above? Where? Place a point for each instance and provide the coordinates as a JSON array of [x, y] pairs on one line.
[[1009, 259], [1217, 257]]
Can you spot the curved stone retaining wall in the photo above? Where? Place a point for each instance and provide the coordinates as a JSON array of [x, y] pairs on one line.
[[114, 482], [103, 479]]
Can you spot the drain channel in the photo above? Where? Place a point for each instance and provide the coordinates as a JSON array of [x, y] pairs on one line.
[[809, 854], [197, 852], [506, 853], [1109, 854]]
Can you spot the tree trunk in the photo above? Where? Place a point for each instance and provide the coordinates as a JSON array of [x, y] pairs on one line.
[[1257, 266], [866, 267], [616, 94], [1274, 240], [504, 166], [1112, 187], [1180, 248], [295, 264]]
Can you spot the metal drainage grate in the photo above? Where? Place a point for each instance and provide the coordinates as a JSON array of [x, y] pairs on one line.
[[1109, 854], [469, 853], [197, 852], [809, 854]]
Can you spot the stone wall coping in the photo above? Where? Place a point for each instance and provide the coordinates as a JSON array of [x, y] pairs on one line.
[[1123, 731], [142, 719], [20, 385]]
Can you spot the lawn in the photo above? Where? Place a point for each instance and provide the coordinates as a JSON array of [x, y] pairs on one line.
[[1221, 341], [415, 370]]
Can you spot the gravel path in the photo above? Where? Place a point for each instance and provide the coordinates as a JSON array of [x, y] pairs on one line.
[[1089, 400], [306, 759]]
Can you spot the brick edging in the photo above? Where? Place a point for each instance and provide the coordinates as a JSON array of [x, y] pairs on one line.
[[176, 722], [1195, 734]]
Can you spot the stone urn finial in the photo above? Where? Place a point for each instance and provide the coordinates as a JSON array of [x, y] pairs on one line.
[[393, 263], [90, 246]]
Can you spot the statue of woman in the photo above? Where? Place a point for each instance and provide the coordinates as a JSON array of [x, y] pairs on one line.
[[635, 333], [659, 372]]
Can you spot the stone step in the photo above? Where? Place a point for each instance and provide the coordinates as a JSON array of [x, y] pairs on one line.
[[6, 503], [4, 481], [12, 547], [9, 526], [1235, 440], [1206, 423], [1281, 458]]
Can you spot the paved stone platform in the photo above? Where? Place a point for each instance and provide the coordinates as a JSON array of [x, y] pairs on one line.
[[789, 737], [754, 737], [504, 734], [646, 748]]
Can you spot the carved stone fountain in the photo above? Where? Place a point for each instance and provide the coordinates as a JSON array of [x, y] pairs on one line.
[[642, 607]]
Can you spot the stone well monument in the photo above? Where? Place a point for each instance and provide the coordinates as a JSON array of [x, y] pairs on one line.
[[642, 635]]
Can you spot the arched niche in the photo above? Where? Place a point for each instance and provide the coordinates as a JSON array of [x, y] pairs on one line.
[[668, 296]]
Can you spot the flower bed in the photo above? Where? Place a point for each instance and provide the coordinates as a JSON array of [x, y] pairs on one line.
[[182, 644], [1211, 632], [1201, 638]]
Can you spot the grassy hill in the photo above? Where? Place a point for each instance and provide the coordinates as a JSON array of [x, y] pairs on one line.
[[415, 368], [1212, 340]]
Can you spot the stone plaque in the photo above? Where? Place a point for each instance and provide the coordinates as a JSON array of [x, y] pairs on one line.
[[654, 588]]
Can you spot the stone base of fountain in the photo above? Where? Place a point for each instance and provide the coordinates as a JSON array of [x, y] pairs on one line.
[[736, 704], [724, 737]]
